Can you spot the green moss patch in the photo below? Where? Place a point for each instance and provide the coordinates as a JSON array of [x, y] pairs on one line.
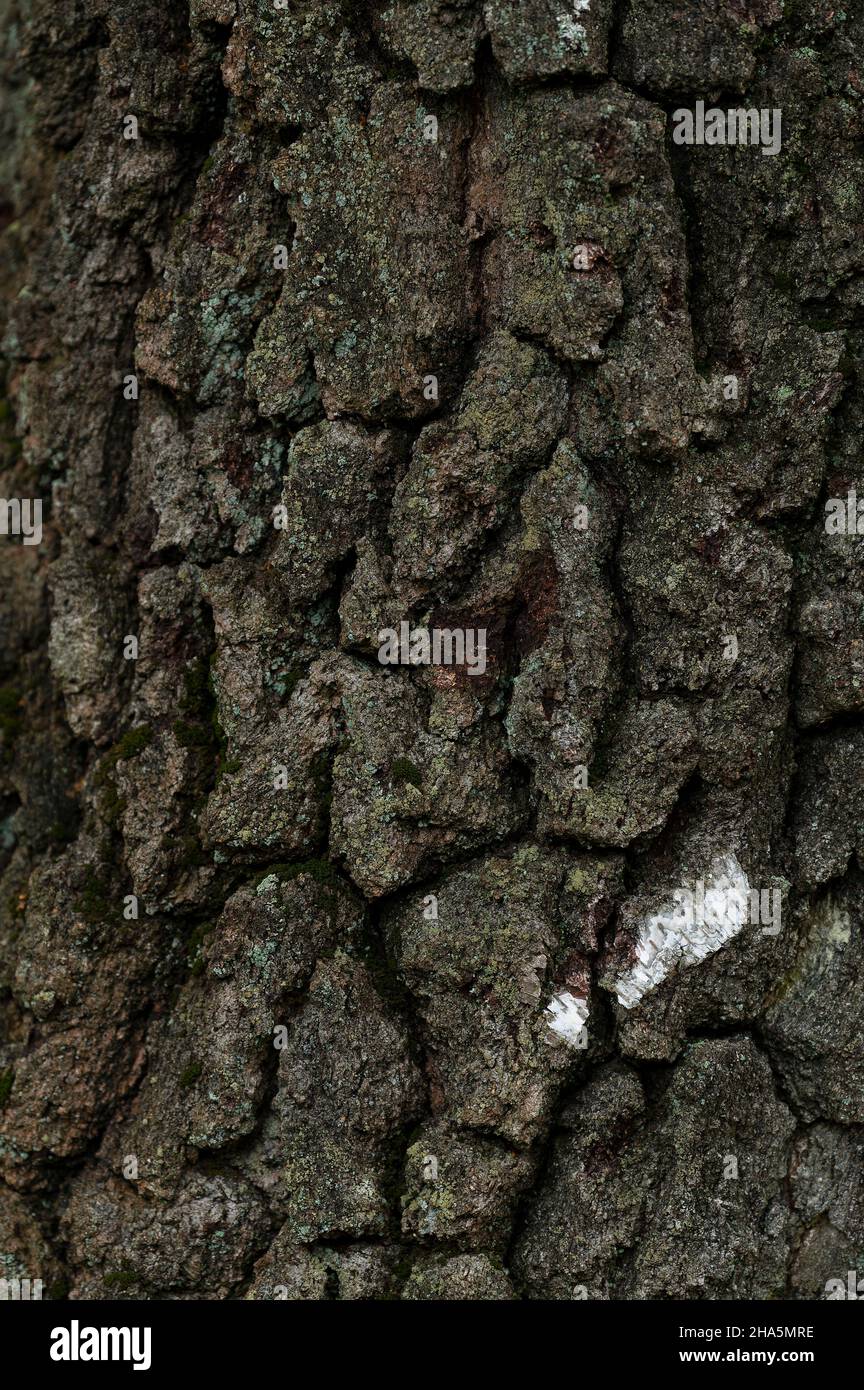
[[7, 1077], [403, 770], [190, 1074]]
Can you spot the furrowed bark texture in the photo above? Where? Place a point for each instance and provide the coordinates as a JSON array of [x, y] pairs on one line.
[[330, 316]]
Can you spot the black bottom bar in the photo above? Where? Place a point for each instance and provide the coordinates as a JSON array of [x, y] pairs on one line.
[[558, 1341]]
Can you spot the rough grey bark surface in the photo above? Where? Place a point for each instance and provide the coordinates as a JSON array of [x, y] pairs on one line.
[[333, 1055]]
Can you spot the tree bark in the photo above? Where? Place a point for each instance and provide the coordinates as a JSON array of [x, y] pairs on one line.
[[432, 649]]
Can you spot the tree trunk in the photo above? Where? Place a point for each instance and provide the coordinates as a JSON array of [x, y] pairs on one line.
[[432, 649]]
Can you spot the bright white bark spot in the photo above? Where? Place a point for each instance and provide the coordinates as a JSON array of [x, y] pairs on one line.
[[567, 1016], [694, 925]]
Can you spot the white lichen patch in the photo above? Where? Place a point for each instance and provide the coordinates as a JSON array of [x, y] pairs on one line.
[[834, 926], [566, 1016], [694, 925], [572, 33]]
